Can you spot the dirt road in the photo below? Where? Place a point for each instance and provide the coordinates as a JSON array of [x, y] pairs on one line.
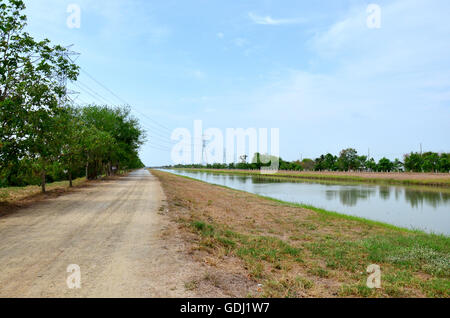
[[113, 231]]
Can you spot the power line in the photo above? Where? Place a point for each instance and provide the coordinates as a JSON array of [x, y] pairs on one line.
[[158, 147], [89, 93], [100, 98], [155, 133], [124, 101], [94, 92]]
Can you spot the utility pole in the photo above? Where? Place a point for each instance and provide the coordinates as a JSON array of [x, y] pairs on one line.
[[68, 54], [204, 150], [420, 148]]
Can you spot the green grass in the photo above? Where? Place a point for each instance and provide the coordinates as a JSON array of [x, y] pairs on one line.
[[400, 254], [254, 250], [324, 177]]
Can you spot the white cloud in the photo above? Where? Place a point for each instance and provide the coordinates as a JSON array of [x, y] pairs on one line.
[[220, 35], [267, 20]]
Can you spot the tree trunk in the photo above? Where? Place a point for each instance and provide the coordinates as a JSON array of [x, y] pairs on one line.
[[70, 178], [87, 170], [43, 181]]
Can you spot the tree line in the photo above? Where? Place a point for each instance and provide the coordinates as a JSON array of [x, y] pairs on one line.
[[347, 160], [42, 137]]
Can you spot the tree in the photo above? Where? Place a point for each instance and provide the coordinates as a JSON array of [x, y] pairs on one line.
[[326, 162], [385, 165], [413, 162], [307, 164], [430, 162], [126, 134], [30, 92], [397, 165], [13, 44], [444, 162], [348, 159], [71, 141], [371, 165], [362, 162]]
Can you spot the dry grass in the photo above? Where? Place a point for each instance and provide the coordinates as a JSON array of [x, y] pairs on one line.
[[296, 252], [15, 194]]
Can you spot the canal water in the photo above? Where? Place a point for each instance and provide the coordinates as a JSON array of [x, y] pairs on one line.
[[405, 206]]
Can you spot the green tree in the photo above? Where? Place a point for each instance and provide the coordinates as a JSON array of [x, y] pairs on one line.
[[385, 165], [430, 162], [397, 165], [413, 162], [307, 164], [371, 165], [444, 162], [348, 159], [362, 162], [30, 93], [125, 132]]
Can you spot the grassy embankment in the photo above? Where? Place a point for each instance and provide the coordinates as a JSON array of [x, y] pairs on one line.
[[295, 251], [426, 179]]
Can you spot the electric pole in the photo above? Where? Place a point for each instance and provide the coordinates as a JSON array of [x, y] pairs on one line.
[[205, 158], [68, 54]]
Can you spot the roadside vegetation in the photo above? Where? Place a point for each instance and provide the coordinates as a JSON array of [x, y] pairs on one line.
[[291, 250], [42, 137], [13, 195]]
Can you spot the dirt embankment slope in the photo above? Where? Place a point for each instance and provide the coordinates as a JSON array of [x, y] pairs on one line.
[[296, 252]]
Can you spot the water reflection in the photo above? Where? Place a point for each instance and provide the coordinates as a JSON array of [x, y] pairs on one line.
[[418, 198], [385, 192], [350, 194], [350, 197]]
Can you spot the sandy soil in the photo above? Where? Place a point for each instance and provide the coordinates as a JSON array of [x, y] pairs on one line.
[[117, 231]]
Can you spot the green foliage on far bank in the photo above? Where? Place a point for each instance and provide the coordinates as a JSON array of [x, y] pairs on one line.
[[348, 160]]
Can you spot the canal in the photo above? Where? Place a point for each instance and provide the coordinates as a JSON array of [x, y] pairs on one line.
[[412, 207]]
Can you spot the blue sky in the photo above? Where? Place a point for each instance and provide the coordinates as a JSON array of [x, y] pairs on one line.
[[311, 68]]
